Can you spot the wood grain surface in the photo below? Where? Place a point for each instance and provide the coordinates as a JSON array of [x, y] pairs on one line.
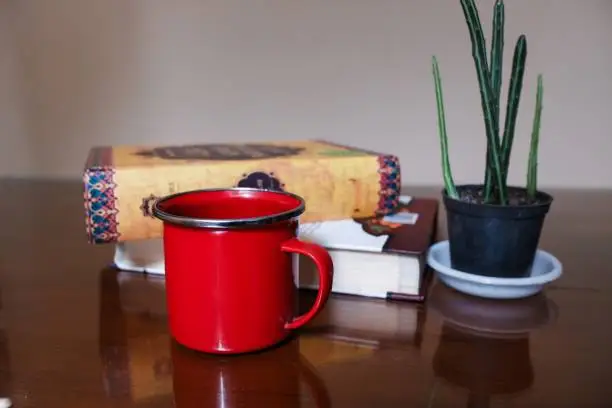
[[76, 333]]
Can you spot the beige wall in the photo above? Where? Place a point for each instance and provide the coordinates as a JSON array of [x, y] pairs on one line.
[[74, 73]]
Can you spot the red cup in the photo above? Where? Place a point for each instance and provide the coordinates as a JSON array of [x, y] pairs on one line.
[[229, 270]]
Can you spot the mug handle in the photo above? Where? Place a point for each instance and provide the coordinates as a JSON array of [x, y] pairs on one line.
[[325, 267]]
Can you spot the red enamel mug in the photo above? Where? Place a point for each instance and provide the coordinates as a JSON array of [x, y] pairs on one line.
[[229, 272]]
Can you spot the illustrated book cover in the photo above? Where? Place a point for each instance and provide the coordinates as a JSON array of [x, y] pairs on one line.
[[121, 183]]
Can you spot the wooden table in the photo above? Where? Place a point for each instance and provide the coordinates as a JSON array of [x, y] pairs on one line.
[[74, 333]]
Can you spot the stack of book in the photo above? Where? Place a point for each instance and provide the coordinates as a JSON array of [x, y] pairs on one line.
[[376, 237], [381, 257]]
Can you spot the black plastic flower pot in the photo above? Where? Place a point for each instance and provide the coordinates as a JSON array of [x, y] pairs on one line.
[[494, 240]]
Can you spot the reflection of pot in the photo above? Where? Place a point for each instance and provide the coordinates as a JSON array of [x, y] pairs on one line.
[[484, 344], [271, 378], [483, 365], [494, 318]]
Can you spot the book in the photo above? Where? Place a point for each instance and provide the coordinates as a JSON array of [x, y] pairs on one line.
[[121, 183], [145, 255], [381, 256]]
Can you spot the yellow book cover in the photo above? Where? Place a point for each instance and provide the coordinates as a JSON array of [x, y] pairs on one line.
[[336, 181]]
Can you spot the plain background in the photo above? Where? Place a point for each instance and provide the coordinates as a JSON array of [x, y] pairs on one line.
[[78, 73]]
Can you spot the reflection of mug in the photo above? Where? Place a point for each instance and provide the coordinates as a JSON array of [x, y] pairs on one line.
[[270, 379], [228, 261]]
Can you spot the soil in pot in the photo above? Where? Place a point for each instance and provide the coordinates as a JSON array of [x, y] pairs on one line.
[[494, 240]]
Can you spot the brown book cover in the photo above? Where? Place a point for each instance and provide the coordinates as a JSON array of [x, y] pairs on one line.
[[408, 233], [122, 182], [410, 238]]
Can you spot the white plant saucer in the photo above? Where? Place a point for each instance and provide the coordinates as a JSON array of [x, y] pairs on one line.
[[545, 269]]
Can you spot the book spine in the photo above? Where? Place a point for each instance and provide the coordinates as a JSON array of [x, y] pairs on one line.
[[99, 197], [118, 201]]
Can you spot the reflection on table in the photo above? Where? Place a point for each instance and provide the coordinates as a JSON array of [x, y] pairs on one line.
[[484, 344], [142, 364]]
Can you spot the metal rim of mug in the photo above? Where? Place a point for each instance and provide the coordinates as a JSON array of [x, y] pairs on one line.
[[233, 222]]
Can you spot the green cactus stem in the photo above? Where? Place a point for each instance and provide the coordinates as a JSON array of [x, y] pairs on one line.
[[486, 94], [514, 97], [499, 146], [532, 171], [497, 56], [449, 184], [497, 51]]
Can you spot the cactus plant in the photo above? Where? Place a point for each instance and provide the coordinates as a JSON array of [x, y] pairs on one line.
[[489, 73]]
